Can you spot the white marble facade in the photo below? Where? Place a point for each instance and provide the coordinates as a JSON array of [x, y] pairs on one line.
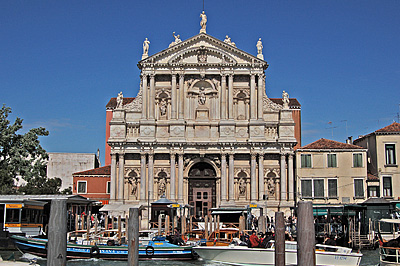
[[202, 123]]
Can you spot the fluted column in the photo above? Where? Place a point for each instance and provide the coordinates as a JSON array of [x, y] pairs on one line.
[[152, 97], [260, 97], [181, 96], [253, 177], [291, 177], [142, 176], [261, 188], [231, 177], [230, 96], [113, 178], [180, 177], [174, 100], [223, 97], [252, 96], [121, 176], [223, 177], [150, 184], [144, 96], [283, 177], [172, 183]]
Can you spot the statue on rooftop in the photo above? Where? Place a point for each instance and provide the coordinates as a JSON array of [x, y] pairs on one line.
[[120, 99], [203, 22], [259, 49], [285, 99], [145, 48], [177, 39]]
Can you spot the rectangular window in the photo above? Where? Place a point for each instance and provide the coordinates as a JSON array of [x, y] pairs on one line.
[[359, 188], [332, 160], [306, 188], [373, 191], [332, 188], [387, 186], [357, 160], [318, 188], [390, 153], [81, 187], [108, 189], [306, 161]]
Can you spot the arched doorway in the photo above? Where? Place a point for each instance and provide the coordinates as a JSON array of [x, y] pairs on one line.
[[202, 188]]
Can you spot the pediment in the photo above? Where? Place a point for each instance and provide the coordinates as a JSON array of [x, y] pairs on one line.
[[203, 49]]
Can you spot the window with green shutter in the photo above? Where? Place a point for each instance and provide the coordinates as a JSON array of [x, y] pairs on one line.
[[357, 160], [332, 188], [306, 161], [332, 160]]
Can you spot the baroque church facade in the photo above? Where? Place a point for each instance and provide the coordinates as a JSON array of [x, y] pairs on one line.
[[202, 130]]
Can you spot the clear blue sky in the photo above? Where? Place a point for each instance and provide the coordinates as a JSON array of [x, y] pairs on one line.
[[61, 61]]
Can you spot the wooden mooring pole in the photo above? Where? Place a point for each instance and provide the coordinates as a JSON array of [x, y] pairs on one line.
[[57, 243], [279, 239], [133, 237], [305, 234]]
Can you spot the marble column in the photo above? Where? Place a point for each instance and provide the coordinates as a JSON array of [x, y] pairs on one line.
[[260, 97], [180, 177], [253, 177], [253, 96], [144, 96], [223, 96], [283, 178], [121, 176], [231, 178], [230, 96], [181, 95], [291, 177], [223, 177], [172, 178], [152, 97], [142, 176], [174, 100], [261, 188], [113, 178], [150, 184]]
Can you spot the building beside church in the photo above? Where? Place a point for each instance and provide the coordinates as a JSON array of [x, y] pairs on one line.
[[203, 131]]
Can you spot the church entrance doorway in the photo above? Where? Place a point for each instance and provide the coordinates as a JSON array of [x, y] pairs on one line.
[[202, 188]]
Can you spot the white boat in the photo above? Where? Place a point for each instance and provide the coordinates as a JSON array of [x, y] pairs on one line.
[[242, 255], [389, 251]]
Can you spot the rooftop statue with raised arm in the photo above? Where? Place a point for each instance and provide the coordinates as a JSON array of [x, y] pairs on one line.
[[203, 22]]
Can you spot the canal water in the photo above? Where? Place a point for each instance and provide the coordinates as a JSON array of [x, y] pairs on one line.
[[370, 258]]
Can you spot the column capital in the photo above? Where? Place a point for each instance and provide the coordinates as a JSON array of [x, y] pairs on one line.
[[143, 75], [223, 74], [181, 75], [152, 75]]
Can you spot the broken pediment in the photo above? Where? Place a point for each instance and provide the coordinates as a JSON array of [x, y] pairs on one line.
[[203, 49]]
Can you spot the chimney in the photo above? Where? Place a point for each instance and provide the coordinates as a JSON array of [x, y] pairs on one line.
[[349, 140]]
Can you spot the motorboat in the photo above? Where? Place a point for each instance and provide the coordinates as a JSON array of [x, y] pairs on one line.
[[158, 249], [389, 251], [243, 255]]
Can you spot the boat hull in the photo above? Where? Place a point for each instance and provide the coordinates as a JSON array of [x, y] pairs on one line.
[[237, 255], [155, 251]]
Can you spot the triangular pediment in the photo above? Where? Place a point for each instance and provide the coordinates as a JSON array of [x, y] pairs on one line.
[[203, 49]]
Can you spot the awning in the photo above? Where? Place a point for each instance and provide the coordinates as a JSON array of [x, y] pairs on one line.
[[391, 221], [318, 212], [108, 207], [398, 205], [225, 212]]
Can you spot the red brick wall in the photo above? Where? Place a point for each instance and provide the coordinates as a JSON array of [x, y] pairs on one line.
[[96, 187]]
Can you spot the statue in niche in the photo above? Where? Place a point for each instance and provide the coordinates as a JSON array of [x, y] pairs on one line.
[[259, 46], [202, 96], [146, 47], [120, 99], [285, 99], [163, 107], [162, 186], [134, 185], [242, 186], [271, 186], [203, 22]]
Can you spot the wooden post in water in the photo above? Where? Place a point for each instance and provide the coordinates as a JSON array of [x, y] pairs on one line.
[[191, 223], [183, 225], [305, 234], [88, 221], [76, 222], [279, 239], [133, 237], [95, 224], [218, 221], [57, 243], [206, 227], [167, 224], [242, 224], [119, 229], [159, 224], [106, 222]]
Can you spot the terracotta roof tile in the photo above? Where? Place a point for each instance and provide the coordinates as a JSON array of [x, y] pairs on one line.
[[105, 170], [113, 101], [293, 102], [327, 144], [394, 127]]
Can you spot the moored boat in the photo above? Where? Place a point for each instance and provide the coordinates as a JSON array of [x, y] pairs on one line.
[[242, 255], [159, 249]]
